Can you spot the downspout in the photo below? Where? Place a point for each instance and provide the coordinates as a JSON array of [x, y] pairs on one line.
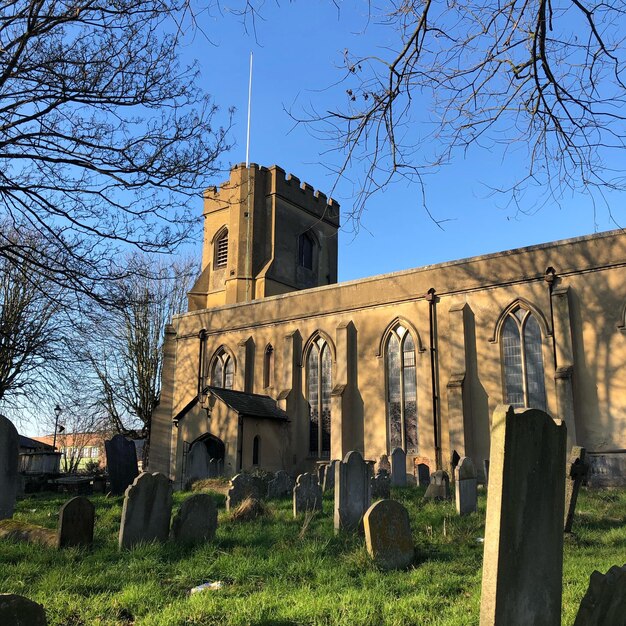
[[201, 358], [431, 298], [240, 446], [550, 278]]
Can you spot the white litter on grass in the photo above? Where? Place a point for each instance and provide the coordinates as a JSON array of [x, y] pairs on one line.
[[210, 586], [480, 540]]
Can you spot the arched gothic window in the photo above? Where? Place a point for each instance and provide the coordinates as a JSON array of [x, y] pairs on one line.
[[268, 366], [222, 370], [221, 249], [522, 361], [318, 388], [401, 390], [255, 450]]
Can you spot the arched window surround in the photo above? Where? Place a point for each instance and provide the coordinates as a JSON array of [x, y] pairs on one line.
[[224, 358], [399, 321], [220, 252], [523, 304], [268, 366]]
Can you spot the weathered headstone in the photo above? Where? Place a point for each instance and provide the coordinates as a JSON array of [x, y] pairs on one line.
[[604, 604], [20, 611], [398, 468], [523, 556], [197, 462], [577, 472], [147, 510], [381, 485], [486, 470], [329, 476], [439, 486], [383, 464], [76, 521], [423, 475], [465, 487], [280, 486], [216, 468], [388, 535], [121, 463], [454, 461], [321, 472], [353, 491], [307, 494], [9, 449], [244, 486], [196, 519]]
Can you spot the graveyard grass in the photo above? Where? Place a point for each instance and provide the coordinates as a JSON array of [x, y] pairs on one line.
[[281, 571]]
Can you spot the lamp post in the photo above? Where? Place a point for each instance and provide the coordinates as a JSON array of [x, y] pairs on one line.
[[57, 412]]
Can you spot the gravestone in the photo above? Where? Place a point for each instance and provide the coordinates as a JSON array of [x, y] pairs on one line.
[[216, 468], [196, 519], [604, 604], [384, 464], [244, 486], [197, 462], [76, 521], [439, 486], [486, 470], [523, 555], [381, 485], [577, 472], [146, 511], [307, 494], [121, 463], [388, 535], [454, 461], [398, 468], [321, 472], [423, 475], [20, 611], [280, 486], [465, 487], [353, 491], [9, 450], [329, 476]]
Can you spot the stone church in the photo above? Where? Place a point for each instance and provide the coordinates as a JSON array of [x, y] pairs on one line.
[[276, 365]]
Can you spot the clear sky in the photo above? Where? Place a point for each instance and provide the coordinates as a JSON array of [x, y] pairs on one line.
[[298, 51]]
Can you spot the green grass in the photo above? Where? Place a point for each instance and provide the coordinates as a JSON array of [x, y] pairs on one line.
[[273, 573]]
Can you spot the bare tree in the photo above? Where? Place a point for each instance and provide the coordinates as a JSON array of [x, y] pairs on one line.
[[103, 134]]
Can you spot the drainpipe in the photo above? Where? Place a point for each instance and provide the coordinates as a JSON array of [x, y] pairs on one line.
[[240, 446], [431, 298], [201, 356], [550, 278]]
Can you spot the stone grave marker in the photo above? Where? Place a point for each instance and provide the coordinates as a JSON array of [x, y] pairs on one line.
[[281, 486], [439, 486], [454, 461], [577, 472], [604, 604], [321, 472], [146, 511], [121, 463], [9, 477], [196, 519], [244, 486], [381, 485], [20, 611], [197, 462], [398, 468], [216, 468], [523, 555], [465, 487], [329, 476], [388, 535], [353, 491], [486, 470], [76, 522], [307, 494], [384, 464], [423, 475]]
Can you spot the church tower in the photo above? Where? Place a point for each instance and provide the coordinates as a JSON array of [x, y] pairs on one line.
[[265, 234]]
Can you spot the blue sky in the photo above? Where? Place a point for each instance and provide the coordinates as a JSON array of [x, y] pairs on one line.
[[298, 50]]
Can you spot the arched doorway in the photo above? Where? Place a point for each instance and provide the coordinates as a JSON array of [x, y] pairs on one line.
[[205, 458]]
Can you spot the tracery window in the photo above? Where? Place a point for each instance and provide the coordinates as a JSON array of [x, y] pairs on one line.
[[318, 388], [401, 390], [222, 370], [221, 249], [522, 360]]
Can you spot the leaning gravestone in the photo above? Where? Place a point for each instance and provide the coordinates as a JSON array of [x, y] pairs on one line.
[[423, 475], [280, 486], [197, 462], [577, 472], [9, 477], [381, 486], [244, 486], [321, 472], [121, 463], [388, 535], [353, 491], [439, 486], [196, 519], [329, 476], [307, 494], [20, 611], [454, 461], [398, 468], [465, 487], [147, 510], [76, 521], [604, 604], [523, 556]]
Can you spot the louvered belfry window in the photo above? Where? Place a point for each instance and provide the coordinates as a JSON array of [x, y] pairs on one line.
[[221, 250]]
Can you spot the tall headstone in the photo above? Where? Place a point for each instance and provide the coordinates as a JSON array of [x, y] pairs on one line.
[[388, 535], [604, 604], [76, 521], [197, 462], [439, 486], [9, 449], [465, 486], [307, 494], [280, 486], [216, 467], [383, 464], [577, 472], [523, 556], [423, 475], [353, 493], [244, 486], [321, 472], [196, 519], [121, 463], [398, 468], [147, 510], [329, 476], [20, 611], [454, 461], [381, 486]]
